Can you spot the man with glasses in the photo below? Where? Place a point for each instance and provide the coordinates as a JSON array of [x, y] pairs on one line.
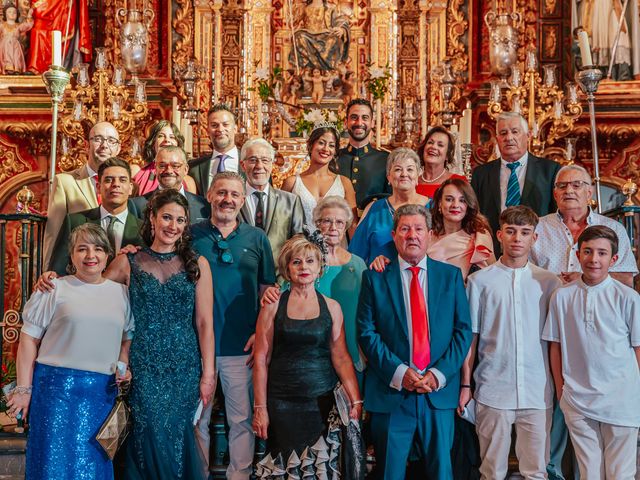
[[171, 168], [555, 250], [221, 127], [518, 176], [242, 266], [275, 211], [77, 190]]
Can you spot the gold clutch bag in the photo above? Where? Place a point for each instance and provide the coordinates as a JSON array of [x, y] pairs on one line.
[[115, 429]]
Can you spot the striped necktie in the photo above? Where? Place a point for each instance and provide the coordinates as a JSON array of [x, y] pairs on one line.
[[513, 186], [221, 166]]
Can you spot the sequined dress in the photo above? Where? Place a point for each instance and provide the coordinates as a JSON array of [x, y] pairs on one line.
[[165, 364]]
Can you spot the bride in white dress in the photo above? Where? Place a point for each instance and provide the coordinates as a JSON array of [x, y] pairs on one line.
[[321, 179]]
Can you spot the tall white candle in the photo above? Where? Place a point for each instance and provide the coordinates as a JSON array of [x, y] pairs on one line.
[[465, 126], [585, 49], [56, 48]]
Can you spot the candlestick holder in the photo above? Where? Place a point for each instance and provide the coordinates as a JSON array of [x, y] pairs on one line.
[[589, 79], [56, 80]]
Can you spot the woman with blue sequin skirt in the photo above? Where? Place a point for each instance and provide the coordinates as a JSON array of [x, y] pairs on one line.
[[69, 346]]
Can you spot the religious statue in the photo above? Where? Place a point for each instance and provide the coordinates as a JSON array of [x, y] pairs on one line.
[[11, 53], [49, 15], [321, 37], [317, 80], [600, 19]]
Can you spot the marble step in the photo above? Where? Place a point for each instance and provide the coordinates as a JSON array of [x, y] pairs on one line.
[[12, 449]]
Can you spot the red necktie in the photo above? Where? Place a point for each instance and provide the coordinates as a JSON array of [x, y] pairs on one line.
[[97, 187], [419, 323]]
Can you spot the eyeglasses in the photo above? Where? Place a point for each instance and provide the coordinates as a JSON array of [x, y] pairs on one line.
[[576, 184], [224, 252], [256, 160], [99, 140], [327, 222]]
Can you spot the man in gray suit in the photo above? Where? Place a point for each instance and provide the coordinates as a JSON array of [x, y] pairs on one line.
[[277, 212]]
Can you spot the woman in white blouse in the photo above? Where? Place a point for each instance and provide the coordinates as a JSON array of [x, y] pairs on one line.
[[69, 347]]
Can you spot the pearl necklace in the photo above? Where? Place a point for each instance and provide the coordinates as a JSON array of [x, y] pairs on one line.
[[433, 179]]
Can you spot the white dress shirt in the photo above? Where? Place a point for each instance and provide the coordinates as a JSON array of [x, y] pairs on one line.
[[597, 328], [231, 163], [81, 325], [252, 201], [505, 173], [406, 276], [118, 226], [555, 250], [508, 311]]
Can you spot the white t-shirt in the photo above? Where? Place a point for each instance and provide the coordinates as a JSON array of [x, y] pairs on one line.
[[508, 311], [597, 328], [81, 324]]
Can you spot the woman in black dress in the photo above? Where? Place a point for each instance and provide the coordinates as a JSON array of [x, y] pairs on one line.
[[300, 353]]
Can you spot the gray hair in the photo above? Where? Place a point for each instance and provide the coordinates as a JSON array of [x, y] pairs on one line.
[[577, 168], [90, 233], [332, 201], [504, 116], [408, 210], [403, 153], [172, 149], [257, 142], [229, 175]]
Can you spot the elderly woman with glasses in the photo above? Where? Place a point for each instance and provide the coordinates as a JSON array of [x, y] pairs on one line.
[[163, 134], [373, 234]]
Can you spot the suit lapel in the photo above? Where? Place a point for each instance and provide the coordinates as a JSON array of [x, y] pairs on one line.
[[393, 278], [529, 179], [131, 234], [86, 186], [245, 214], [494, 186], [93, 216], [271, 208], [205, 168], [433, 293]]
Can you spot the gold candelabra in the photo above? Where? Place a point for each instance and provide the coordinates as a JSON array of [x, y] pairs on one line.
[[103, 96], [550, 111]]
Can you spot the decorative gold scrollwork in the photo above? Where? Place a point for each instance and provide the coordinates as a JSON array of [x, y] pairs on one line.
[[11, 325]]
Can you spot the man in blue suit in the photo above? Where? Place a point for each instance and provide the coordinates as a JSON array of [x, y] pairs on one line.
[[414, 328]]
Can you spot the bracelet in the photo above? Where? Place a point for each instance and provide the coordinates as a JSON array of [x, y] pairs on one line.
[[22, 390], [259, 406], [357, 402], [465, 386]]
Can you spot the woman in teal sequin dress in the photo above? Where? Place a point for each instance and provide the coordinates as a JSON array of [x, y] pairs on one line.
[[171, 357]]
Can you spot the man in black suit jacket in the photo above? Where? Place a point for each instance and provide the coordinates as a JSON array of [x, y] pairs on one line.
[[171, 168], [281, 215], [535, 175], [221, 127], [114, 186]]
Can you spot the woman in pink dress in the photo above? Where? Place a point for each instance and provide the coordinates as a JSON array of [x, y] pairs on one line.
[[461, 235]]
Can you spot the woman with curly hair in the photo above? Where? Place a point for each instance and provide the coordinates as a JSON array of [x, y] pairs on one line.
[[172, 353], [461, 235], [163, 133]]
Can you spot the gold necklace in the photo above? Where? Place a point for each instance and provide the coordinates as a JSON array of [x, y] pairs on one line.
[[433, 179]]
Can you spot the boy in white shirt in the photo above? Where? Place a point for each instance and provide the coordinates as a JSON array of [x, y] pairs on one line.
[[594, 327], [508, 302]]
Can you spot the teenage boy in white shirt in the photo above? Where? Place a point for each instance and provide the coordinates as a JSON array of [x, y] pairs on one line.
[[594, 327], [508, 302]]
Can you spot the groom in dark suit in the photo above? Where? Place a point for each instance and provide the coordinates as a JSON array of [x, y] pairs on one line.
[[414, 328], [517, 178], [275, 211], [122, 227]]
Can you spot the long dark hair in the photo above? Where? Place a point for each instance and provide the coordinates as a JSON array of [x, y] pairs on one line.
[[473, 220], [149, 148], [183, 245], [451, 147], [315, 136]]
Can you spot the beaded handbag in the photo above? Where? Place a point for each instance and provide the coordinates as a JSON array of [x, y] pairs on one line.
[[115, 429]]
